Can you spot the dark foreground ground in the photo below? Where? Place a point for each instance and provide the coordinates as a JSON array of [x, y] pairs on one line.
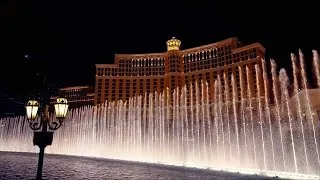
[[24, 166]]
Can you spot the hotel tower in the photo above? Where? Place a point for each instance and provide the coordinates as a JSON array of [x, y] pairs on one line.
[[137, 74]]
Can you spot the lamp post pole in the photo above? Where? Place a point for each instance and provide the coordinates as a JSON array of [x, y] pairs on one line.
[[40, 163], [41, 136], [42, 139]]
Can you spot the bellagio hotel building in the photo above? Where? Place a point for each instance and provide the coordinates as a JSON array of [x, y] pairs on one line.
[[137, 74]]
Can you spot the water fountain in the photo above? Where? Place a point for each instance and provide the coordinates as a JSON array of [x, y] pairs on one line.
[[272, 131]]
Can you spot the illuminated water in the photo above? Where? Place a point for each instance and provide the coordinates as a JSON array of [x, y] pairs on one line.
[[276, 134]]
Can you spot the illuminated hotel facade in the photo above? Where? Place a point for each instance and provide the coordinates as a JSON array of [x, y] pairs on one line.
[[77, 96], [137, 74]]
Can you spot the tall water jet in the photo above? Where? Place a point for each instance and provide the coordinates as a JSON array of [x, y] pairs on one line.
[[249, 89], [221, 116], [139, 123], [227, 113], [275, 85], [267, 107], [203, 130], [216, 118], [174, 116], [158, 122], [261, 120], [151, 127], [296, 92], [144, 115], [316, 66], [207, 104], [178, 122], [244, 123], [163, 120], [284, 88], [198, 118], [192, 120], [305, 86], [186, 118], [168, 114], [235, 113]]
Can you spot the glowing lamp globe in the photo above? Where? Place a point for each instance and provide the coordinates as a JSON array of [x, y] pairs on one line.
[[32, 107], [61, 107]]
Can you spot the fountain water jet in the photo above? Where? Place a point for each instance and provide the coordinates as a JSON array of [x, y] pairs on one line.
[[296, 92], [305, 86], [267, 107], [227, 113], [220, 104], [198, 119], [207, 106], [242, 91], [192, 121], [285, 98], [275, 85], [186, 126], [234, 103], [216, 118], [316, 66], [250, 97], [203, 119], [261, 117]]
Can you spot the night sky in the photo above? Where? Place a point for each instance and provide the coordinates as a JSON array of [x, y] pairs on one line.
[[64, 40]]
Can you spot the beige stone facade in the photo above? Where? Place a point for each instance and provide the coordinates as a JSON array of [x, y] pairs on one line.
[[136, 74]]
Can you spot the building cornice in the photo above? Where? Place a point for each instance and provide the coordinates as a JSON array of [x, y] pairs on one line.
[[140, 56], [247, 47], [209, 46], [106, 65], [74, 88], [231, 41]]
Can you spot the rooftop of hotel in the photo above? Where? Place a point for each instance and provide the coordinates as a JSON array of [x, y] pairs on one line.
[[174, 44], [74, 88]]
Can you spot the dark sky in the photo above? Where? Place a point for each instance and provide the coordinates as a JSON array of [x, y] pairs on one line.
[[65, 39]]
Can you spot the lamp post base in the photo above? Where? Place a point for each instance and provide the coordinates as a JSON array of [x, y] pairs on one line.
[[41, 139]]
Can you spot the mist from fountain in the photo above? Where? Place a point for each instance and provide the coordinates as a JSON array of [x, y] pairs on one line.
[[243, 128]]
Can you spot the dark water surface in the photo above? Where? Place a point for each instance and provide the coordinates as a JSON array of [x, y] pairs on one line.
[[23, 166]]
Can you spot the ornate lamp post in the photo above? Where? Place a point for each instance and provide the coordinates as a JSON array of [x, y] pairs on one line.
[[42, 137]]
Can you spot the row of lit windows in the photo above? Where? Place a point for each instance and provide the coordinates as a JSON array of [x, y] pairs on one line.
[[208, 63], [133, 72], [173, 68], [155, 62], [89, 98], [206, 54], [145, 62], [218, 62], [194, 76], [147, 86], [194, 66]]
